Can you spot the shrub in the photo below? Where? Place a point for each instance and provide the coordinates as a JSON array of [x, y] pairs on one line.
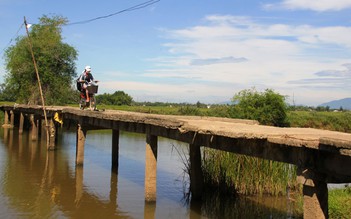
[[269, 108]]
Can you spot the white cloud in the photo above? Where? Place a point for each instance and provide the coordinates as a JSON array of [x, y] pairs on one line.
[[211, 61], [271, 56], [320, 5]]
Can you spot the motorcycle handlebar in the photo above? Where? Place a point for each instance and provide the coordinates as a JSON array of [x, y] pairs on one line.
[[88, 82]]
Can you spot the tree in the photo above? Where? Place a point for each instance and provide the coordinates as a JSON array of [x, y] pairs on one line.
[[269, 108], [55, 61], [117, 98]]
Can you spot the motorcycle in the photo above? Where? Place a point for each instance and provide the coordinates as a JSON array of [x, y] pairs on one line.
[[92, 88]]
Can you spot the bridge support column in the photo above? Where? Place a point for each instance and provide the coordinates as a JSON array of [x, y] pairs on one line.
[[52, 138], [196, 175], [7, 115], [34, 128], [113, 190], [315, 194], [81, 135], [21, 123], [12, 118], [39, 123], [150, 168], [6, 119], [115, 150], [79, 185]]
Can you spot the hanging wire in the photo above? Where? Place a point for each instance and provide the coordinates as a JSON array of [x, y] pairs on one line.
[[133, 8], [14, 37], [136, 7]]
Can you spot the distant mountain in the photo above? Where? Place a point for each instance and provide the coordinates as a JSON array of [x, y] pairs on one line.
[[336, 104]]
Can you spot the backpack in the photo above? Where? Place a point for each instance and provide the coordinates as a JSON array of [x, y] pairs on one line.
[[79, 85]]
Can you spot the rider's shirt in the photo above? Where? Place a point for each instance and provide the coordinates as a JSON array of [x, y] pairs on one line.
[[86, 77]]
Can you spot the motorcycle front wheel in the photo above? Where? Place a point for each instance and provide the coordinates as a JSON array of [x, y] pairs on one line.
[[91, 104]]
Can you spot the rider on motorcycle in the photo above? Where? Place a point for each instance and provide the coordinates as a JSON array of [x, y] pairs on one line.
[[86, 78]]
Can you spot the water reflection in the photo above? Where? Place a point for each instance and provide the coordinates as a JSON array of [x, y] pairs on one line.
[[36, 183]]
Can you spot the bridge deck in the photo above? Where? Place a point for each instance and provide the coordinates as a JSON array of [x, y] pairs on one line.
[[336, 142]]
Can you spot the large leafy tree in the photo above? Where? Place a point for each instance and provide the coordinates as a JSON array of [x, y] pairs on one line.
[[268, 107], [55, 60]]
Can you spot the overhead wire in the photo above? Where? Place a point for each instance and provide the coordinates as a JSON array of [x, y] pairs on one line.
[[14, 37], [135, 7]]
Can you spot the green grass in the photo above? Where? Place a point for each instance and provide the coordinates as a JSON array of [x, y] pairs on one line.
[[215, 111], [335, 121], [340, 203]]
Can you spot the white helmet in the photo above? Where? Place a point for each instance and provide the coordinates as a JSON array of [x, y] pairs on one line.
[[87, 68]]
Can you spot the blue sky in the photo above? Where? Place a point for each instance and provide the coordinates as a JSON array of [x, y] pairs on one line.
[[189, 51]]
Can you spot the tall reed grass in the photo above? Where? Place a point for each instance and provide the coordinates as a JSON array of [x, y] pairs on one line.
[[233, 173]]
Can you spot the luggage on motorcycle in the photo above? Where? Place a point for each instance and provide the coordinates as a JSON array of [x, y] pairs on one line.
[[92, 88]]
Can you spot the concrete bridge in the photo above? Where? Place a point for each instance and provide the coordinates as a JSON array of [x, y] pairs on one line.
[[321, 156]]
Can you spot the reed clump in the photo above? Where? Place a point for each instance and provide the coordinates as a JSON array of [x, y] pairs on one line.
[[240, 174]]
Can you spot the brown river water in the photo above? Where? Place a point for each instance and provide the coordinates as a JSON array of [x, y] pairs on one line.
[[35, 183]]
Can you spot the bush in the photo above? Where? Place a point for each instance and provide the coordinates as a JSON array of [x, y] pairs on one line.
[[269, 108], [189, 110], [118, 98]]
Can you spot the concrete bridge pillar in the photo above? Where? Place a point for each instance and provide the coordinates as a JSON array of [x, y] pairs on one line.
[[196, 175], [52, 135], [150, 168], [6, 117], [315, 200], [79, 185], [34, 128], [113, 190], [315, 194], [12, 118], [81, 135], [21, 123], [150, 210], [39, 124], [115, 150]]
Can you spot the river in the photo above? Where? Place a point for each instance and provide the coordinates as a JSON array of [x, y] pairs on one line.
[[35, 183]]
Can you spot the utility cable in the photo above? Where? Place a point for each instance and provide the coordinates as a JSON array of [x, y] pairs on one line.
[[135, 7], [14, 37]]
